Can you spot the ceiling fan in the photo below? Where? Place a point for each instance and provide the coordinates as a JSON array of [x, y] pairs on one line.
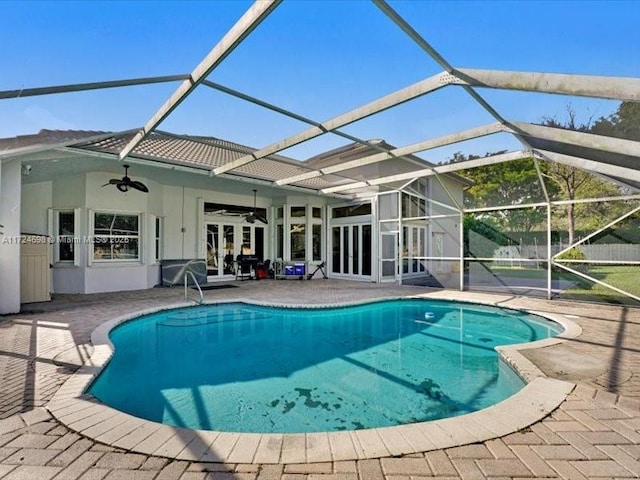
[[253, 216], [125, 183]]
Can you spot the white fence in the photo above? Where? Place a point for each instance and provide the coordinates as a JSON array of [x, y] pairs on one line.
[[612, 251], [618, 252]]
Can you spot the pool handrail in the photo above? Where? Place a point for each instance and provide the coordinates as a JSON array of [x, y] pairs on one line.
[[195, 280]]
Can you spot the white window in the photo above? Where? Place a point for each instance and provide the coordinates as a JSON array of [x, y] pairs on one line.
[[116, 237], [158, 240], [64, 229]]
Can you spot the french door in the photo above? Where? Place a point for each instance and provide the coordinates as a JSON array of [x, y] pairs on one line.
[[226, 240], [220, 249], [414, 247], [351, 250]]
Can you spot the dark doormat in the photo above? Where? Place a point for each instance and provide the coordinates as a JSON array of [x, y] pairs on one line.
[[214, 287]]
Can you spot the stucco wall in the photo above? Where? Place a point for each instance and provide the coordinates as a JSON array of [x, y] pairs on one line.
[[180, 209], [85, 194], [117, 278], [183, 231], [36, 199]]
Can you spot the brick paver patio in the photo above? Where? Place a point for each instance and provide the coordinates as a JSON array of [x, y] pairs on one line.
[[593, 434]]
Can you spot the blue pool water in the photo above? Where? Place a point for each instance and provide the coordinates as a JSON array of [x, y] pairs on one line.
[[245, 368]]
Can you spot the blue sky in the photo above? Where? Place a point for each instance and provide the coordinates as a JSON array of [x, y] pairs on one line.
[[316, 58]]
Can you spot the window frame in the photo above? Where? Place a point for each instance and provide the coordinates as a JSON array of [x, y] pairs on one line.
[[139, 237], [54, 228], [158, 228]]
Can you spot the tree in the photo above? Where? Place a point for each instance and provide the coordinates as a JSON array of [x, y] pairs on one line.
[[574, 183], [623, 123], [501, 184], [517, 182]]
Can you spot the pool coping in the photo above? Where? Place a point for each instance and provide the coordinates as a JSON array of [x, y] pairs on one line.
[[85, 415]]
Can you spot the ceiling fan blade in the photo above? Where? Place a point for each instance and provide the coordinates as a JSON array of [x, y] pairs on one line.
[[138, 186], [261, 219], [125, 183], [250, 218], [113, 181]]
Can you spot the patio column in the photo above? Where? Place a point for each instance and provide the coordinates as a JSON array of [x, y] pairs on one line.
[[10, 190]]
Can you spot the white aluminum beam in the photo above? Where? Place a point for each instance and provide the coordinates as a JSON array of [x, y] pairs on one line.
[[426, 172], [476, 132], [80, 87], [597, 232], [275, 108], [552, 203], [480, 162], [592, 165], [595, 280], [576, 201], [435, 55], [581, 139], [396, 98], [295, 116], [415, 36], [617, 88], [243, 27], [496, 208]]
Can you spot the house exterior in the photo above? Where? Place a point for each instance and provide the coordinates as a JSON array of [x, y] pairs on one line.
[[56, 186]]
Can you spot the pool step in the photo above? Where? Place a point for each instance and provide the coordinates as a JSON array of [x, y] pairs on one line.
[[194, 319]]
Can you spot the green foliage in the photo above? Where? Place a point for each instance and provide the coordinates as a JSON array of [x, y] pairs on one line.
[[518, 183], [509, 183], [624, 123], [482, 236], [573, 254]]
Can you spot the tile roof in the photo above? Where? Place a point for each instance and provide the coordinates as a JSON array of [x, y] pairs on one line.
[[209, 153], [46, 137]]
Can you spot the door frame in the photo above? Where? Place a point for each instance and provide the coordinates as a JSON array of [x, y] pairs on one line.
[[382, 259], [237, 223], [349, 227]]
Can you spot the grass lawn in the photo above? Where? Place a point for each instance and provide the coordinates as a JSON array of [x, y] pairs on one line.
[[520, 272], [626, 278]]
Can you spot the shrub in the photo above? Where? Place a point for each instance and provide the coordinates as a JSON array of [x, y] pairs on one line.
[[573, 254]]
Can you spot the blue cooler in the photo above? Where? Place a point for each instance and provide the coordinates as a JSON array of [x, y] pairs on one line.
[[299, 269]]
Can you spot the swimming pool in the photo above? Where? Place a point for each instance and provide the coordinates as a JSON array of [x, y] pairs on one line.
[[247, 368]]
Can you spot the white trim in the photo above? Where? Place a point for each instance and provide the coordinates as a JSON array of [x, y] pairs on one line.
[[53, 225], [92, 261]]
